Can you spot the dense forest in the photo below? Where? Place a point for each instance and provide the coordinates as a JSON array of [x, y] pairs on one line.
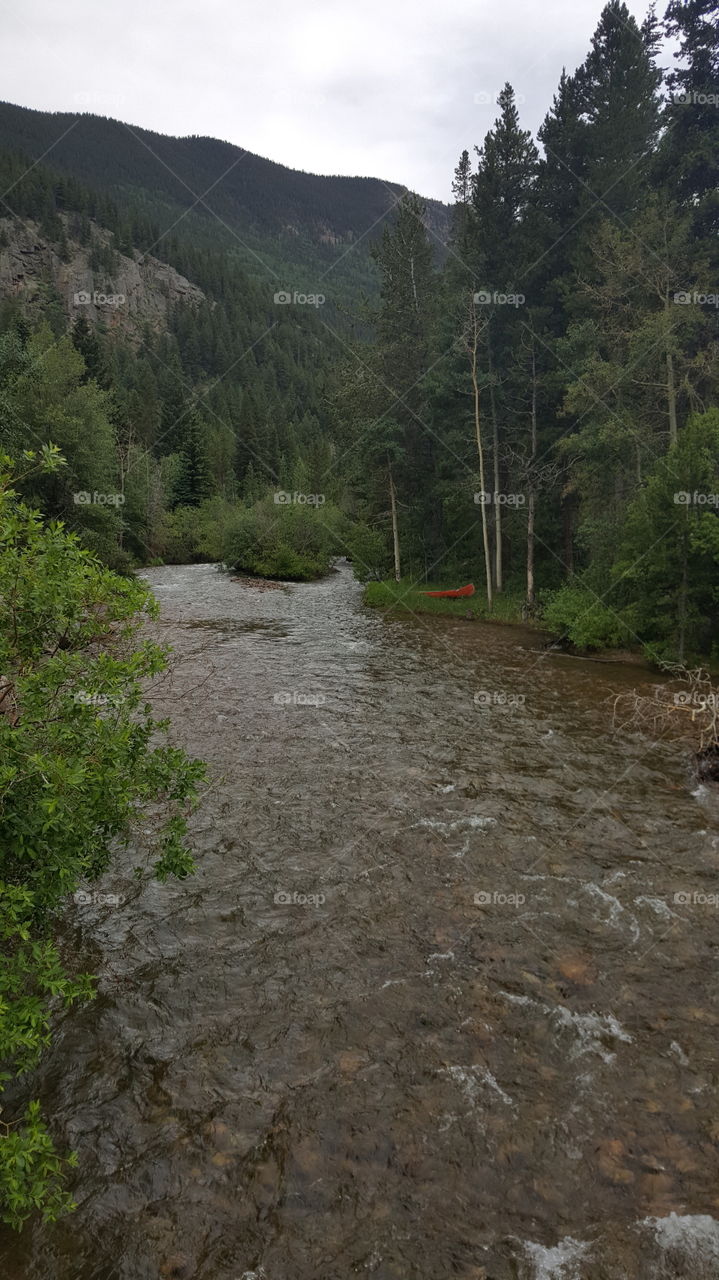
[[533, 408], [561, 372], [282, 224], [224, 401]]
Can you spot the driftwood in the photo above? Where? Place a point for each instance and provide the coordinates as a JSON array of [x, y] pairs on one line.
[[689, 712]]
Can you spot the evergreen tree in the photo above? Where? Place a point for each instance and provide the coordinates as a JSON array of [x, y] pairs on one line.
[[85, 341], [689, 155], [502, 191], [668, 567], [618, 85], [194, 482], [397, 391]]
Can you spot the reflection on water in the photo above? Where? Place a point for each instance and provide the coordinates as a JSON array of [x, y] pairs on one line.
[[441, 1000]]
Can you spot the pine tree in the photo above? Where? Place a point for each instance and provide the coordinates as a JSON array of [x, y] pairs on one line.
[[618, 85], [501, 192], [194, 482], [501, 196], [669, 559], [85, 341], [689, 155], [404, 328]]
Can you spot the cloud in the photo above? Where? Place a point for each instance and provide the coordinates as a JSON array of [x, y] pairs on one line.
[[390, 89]]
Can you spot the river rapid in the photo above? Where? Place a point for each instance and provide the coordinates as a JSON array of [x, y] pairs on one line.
[[441, 1000]]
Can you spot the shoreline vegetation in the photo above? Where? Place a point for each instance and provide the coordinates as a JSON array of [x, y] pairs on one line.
[[508, 610], [408, 597], [85, 769]]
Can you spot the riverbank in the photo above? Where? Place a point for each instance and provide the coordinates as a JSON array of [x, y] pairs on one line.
[[407, 597], [507, 609]]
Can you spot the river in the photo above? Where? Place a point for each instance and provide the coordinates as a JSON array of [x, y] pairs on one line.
[[441, 1000]]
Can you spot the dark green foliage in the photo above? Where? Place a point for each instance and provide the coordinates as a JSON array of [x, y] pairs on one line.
[[80, 759], [689, 154], [668, 565], [194, 481], [589, 384], [282, 540]]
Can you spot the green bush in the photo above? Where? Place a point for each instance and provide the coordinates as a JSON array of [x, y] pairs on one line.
[[80, 759], [369, 553], [577, 614], [286, 541]]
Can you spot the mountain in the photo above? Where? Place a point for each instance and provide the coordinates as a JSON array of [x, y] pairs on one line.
[[300, 230], [177, 317]]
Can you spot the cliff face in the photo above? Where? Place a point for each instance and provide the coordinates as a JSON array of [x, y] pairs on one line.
[[139, 291], [438, 221]]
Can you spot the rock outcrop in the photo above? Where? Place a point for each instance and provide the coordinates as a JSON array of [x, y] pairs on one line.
[[141, 290]]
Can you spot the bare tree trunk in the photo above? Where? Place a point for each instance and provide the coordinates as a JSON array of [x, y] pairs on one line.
[[395, 527], [495, 450], [123, 454], [154, 505], [568, 537], [530, 550], [672, 398], [532, 494], [683, 594], [473, 342]]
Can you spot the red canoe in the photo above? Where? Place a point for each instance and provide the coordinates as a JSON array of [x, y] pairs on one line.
[[458, 592]]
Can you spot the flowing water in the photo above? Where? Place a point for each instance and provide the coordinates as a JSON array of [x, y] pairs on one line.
[[441, 1000]]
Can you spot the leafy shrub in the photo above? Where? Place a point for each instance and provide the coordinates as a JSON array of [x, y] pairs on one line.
[[578, 615], [369, 553], [275, 540], [80, 758]]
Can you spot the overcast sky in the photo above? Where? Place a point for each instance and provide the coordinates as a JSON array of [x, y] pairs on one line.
[[388, 88]]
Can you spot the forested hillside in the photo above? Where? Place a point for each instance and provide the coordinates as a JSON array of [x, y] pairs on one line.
[[533, 408], [544, 413], [286, 225], [226, 397]]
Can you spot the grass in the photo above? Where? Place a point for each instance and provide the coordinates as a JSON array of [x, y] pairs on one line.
[[407, 597]]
